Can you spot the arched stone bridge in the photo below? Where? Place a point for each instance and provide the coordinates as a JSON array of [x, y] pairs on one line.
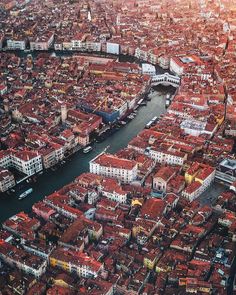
[[166, 80]]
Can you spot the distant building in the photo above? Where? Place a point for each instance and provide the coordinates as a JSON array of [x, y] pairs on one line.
[[42, 42], [16, 44], [63, 113]]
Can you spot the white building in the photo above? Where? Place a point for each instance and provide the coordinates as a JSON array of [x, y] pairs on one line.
[[196, 127], [58, 46], [192, 191], [52, 155], [42, 43], [153, 57], [93, 197], [78, 41], [170, 157], [123, 108], [141, 53], [26, 162], [164, 62], [114, 167], [111, 189], [148, 69], [176, 66], [115, 196], [16, 44], [92, 46], [206, 176], [7, 180], [113, 48]]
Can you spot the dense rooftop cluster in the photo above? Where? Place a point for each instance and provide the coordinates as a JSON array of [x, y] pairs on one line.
[[136, 223], [45, 104], [122, 236]]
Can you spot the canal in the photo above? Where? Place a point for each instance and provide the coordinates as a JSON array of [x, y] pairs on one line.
[[79, 162]]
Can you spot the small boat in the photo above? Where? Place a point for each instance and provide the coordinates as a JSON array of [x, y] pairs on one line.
[[87, 149], [148, 125], [123, 122], [25, 194], [130, 117], [140, 101]]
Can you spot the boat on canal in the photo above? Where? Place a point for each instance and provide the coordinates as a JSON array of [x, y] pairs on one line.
[[87, 149], [25, 194]]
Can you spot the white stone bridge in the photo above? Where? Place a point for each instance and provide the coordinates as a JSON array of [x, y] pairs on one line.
[[166, 80]]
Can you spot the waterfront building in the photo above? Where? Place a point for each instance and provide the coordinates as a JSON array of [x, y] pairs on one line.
[[26, 162], [7, 180], [42, 42], [113, 48], [114, 167], [53, 154], [148, 69], [15, 44]]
